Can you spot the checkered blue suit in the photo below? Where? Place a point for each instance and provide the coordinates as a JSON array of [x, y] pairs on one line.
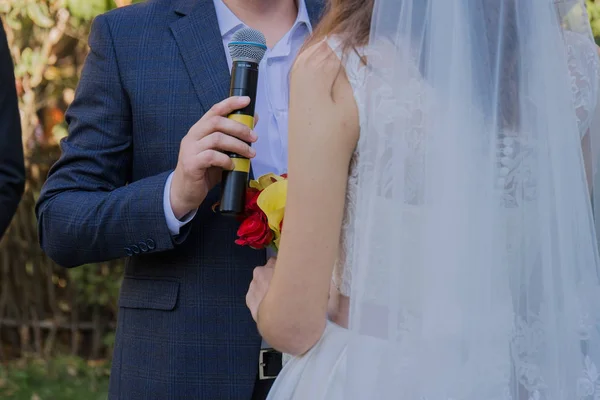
[[183, 329]]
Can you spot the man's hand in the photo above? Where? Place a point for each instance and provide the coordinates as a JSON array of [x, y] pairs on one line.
[[201, 158], [259, 286]]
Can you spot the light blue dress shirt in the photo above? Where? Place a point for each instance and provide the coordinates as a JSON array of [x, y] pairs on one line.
[[271, 102]]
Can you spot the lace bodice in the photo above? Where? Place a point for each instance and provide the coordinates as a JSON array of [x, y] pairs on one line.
[[512, 176], [356, 73], [583, 67]]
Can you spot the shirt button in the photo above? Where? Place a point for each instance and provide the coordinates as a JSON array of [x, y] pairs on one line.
[[151, 244], [128, 252]]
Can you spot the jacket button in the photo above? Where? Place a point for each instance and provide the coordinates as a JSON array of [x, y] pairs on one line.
[[143, 246], [128, 252], [151, 244], [135, 249]]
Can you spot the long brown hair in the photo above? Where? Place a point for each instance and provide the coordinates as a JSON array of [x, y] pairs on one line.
[[348, 19]]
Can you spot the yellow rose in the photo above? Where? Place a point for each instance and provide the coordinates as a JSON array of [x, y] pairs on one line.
[[272, 202], [265, 181]]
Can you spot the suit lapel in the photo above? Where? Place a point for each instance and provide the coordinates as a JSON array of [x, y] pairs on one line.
[[200, 43], [315, 9]]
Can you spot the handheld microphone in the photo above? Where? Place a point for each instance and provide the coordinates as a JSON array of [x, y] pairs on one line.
[[247, 48]]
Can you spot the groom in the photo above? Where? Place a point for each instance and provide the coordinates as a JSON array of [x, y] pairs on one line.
[[136, 180]]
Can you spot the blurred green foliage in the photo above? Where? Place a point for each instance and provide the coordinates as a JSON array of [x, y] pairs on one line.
[[62, 378], [63, 317], [593, 8], [48, 43]]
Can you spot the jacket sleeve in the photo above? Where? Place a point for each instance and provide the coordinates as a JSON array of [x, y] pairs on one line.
[[88, 210], [12, 167]]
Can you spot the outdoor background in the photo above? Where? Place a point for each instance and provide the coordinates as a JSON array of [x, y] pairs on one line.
[[57, 325]]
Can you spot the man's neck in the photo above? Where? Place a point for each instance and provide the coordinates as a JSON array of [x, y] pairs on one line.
[[274, 18]]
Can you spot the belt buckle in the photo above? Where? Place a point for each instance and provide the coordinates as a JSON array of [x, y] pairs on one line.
[[261, 365]]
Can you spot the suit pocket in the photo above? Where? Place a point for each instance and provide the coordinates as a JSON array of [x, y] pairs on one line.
[[149, 293]]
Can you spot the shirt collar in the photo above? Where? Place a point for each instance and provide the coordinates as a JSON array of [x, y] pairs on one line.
[[303, 17], [229, 22]]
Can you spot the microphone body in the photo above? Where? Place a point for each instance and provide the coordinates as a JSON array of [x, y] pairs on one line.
[[247, 49], [244, 82]]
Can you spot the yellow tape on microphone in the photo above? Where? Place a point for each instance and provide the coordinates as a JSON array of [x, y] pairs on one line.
[[242, 164]]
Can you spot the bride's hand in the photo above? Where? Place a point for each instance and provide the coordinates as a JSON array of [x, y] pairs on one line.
[[259, 286]]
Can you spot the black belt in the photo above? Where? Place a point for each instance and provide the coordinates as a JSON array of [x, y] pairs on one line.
[[270, 362]]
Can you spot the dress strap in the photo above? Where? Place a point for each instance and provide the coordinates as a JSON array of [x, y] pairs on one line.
[[351, 60]]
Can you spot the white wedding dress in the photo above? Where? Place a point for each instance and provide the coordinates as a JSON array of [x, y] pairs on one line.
[[320, 374]]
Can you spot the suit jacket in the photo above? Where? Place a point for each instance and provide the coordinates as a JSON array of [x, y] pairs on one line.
[[184, 331], [12, 167]]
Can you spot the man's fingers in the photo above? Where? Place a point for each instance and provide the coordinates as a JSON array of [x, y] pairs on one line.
[[225, 125], [227, 106], [222, 142], [213, 158]]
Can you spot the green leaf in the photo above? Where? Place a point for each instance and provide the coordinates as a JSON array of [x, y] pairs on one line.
[[26, 56], [4, 7], [593, 9], [59, 132], [87, 9], [39, 14], [13, 19], [21, 70]]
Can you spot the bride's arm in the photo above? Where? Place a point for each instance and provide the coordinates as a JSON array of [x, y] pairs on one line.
[[323, 132]]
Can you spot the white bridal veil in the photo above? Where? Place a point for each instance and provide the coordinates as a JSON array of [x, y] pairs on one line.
[[476, 273]]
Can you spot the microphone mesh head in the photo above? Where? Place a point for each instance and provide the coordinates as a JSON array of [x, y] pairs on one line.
[[248, 44]]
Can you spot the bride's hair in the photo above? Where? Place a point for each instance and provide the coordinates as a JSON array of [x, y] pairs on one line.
[[349, 19]]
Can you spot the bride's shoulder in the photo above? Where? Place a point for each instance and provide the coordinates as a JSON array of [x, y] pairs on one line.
[[317, 59], [321, 93], [318, 69]]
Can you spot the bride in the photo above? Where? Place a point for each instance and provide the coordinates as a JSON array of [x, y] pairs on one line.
[[438, 154]]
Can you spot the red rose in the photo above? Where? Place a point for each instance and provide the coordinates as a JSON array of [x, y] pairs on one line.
[[255, 232], [284, 176], [251, 197]]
